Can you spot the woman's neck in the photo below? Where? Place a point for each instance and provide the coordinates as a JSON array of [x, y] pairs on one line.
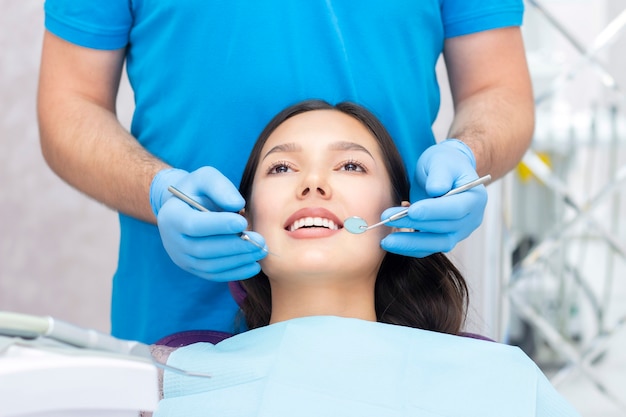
[[345, 299]]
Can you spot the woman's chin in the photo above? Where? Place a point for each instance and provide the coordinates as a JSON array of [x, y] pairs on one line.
[[308, 262], [310, 257]]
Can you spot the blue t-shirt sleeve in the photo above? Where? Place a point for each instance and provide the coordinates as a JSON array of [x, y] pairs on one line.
[[93, 24], [463, 17]]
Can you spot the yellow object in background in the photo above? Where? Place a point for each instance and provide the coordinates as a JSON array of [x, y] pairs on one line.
[[525, 174]]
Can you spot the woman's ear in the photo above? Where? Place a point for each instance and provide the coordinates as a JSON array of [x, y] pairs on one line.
[[244, 213], [402, 229]]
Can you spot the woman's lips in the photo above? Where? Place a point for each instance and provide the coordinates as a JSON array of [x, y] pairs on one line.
[[313, 222]]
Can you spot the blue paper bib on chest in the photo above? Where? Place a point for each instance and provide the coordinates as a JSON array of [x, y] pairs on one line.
[[330, 366]]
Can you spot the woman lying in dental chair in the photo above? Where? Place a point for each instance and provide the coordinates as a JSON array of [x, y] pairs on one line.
[[337, 325]]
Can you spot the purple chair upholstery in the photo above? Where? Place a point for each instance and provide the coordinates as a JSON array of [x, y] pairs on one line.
[[185, 338]]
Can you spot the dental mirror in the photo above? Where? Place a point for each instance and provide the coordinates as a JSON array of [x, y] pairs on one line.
[[357, 225]]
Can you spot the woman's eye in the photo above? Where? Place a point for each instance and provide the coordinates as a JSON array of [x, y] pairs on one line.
[[279, 168], [352, 166]]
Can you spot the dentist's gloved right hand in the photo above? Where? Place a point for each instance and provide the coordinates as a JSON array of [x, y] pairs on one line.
[[206, 244], [442, 222]]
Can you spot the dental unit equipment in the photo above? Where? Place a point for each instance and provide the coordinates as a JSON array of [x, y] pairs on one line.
[[45, 372], [357, 225], [28, 327], [193, 203]]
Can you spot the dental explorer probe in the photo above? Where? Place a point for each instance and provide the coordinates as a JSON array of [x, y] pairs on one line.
[[193, 203], [357, 225], [26, 326]]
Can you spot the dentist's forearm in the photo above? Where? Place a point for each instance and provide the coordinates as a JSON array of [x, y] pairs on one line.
[[496, 128], [86, 146], [81, 137], [493, 98]]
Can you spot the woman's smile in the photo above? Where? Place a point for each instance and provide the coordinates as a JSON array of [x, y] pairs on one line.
[[313, 222]]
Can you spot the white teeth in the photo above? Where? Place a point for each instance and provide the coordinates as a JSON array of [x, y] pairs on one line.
[[313, 221]]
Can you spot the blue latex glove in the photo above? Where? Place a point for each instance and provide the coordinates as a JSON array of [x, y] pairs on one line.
[[442, 222], [205, 244]]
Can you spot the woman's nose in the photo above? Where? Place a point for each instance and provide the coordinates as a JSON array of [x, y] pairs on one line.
[[314, 184]]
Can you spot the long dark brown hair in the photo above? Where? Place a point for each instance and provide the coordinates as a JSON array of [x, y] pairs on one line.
[[427, 293]]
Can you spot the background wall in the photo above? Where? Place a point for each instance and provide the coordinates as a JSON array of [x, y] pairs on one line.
[[58, 249]]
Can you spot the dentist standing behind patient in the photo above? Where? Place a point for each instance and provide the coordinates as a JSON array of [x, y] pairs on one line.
[[206, 77]]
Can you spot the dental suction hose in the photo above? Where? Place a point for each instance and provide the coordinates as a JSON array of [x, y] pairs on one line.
[[32, 327], [28, 326]]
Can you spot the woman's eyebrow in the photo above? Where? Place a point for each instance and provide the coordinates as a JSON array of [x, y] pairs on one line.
[[349, 146], [336, 146], [284, 147]]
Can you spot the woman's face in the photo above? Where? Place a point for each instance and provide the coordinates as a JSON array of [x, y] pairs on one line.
[[317, 169]]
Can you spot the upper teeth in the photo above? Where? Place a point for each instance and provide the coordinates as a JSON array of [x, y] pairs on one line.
[[313, 221]]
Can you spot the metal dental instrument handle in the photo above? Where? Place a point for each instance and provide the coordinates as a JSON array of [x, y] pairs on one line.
[[193, 203], [32, 327], [358, 225]]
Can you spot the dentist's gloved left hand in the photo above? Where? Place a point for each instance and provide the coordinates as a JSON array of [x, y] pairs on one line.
[[206, 244], [441, 222]]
